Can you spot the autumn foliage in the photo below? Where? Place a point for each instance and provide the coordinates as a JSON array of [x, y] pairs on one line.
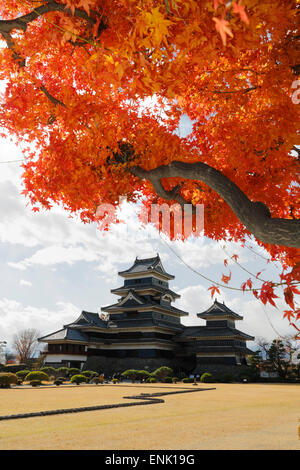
[[79, 75]]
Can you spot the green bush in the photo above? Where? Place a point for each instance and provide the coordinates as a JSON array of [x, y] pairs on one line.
[[130, 374], [63, 370], [187, 380], [142, 374], [21, 374], [7, 379], [115, 381], [61, 379], [206, 377], [162, 372], [175, 380], [48, 370], [89, 373], [35, 383], [37, 375], [151, 380], [168, 380], [74, 371], [58, 381], [78, 379]]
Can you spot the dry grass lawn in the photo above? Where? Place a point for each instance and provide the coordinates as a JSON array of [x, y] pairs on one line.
[[234, 416]]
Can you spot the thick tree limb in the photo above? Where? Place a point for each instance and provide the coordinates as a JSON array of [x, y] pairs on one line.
[[6, 26], [255, 216]]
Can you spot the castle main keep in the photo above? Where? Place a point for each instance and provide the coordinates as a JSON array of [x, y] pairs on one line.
[[143, 330]]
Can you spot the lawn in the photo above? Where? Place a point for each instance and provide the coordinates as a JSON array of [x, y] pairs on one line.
[[233, 416]]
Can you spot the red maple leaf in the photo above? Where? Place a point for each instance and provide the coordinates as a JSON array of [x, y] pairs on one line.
[[214, 289]]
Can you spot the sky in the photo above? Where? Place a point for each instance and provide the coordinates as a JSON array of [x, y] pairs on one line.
[[52, 266]]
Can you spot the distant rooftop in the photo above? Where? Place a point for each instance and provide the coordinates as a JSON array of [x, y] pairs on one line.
[[219, 309], [146, 265]]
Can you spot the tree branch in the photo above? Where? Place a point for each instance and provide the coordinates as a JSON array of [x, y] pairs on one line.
[[255, 216], [6, 26]]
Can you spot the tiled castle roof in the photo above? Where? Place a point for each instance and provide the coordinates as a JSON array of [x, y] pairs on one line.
[[147, 265]]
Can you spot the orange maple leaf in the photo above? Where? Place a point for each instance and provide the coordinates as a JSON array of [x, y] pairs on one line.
[[240, 9], [223, 29]]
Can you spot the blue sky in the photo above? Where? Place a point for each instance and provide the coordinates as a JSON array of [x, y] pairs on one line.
[[52, 266]]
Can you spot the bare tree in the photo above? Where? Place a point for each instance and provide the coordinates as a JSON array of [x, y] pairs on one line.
[[263, 346], [25, 343]]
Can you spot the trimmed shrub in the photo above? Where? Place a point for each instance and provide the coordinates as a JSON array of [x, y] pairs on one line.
[[115, 381], [168, 380], [21, 374], [175, 380], [36, 375], [58, 381], [130, 374], [142, 374], [63, 370], [162, 372], [187, 380], [74, 371], [151, 380], [35, 383], [206, 377], [78, 379], [48, 370], [61, 379], [89, 373], [7, 379]]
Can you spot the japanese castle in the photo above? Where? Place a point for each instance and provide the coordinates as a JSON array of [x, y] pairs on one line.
[[143, 330]]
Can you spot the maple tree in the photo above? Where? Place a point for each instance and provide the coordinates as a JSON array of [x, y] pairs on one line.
[[78, 73]]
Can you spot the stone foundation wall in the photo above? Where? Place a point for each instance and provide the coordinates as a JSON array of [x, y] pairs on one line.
[[218, 370], [181, 366], [112, 365]]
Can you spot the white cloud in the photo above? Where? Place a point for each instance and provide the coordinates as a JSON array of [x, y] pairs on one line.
[[14, 316], [56, 254], [23, 282], [19, 266], [201, 252]]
